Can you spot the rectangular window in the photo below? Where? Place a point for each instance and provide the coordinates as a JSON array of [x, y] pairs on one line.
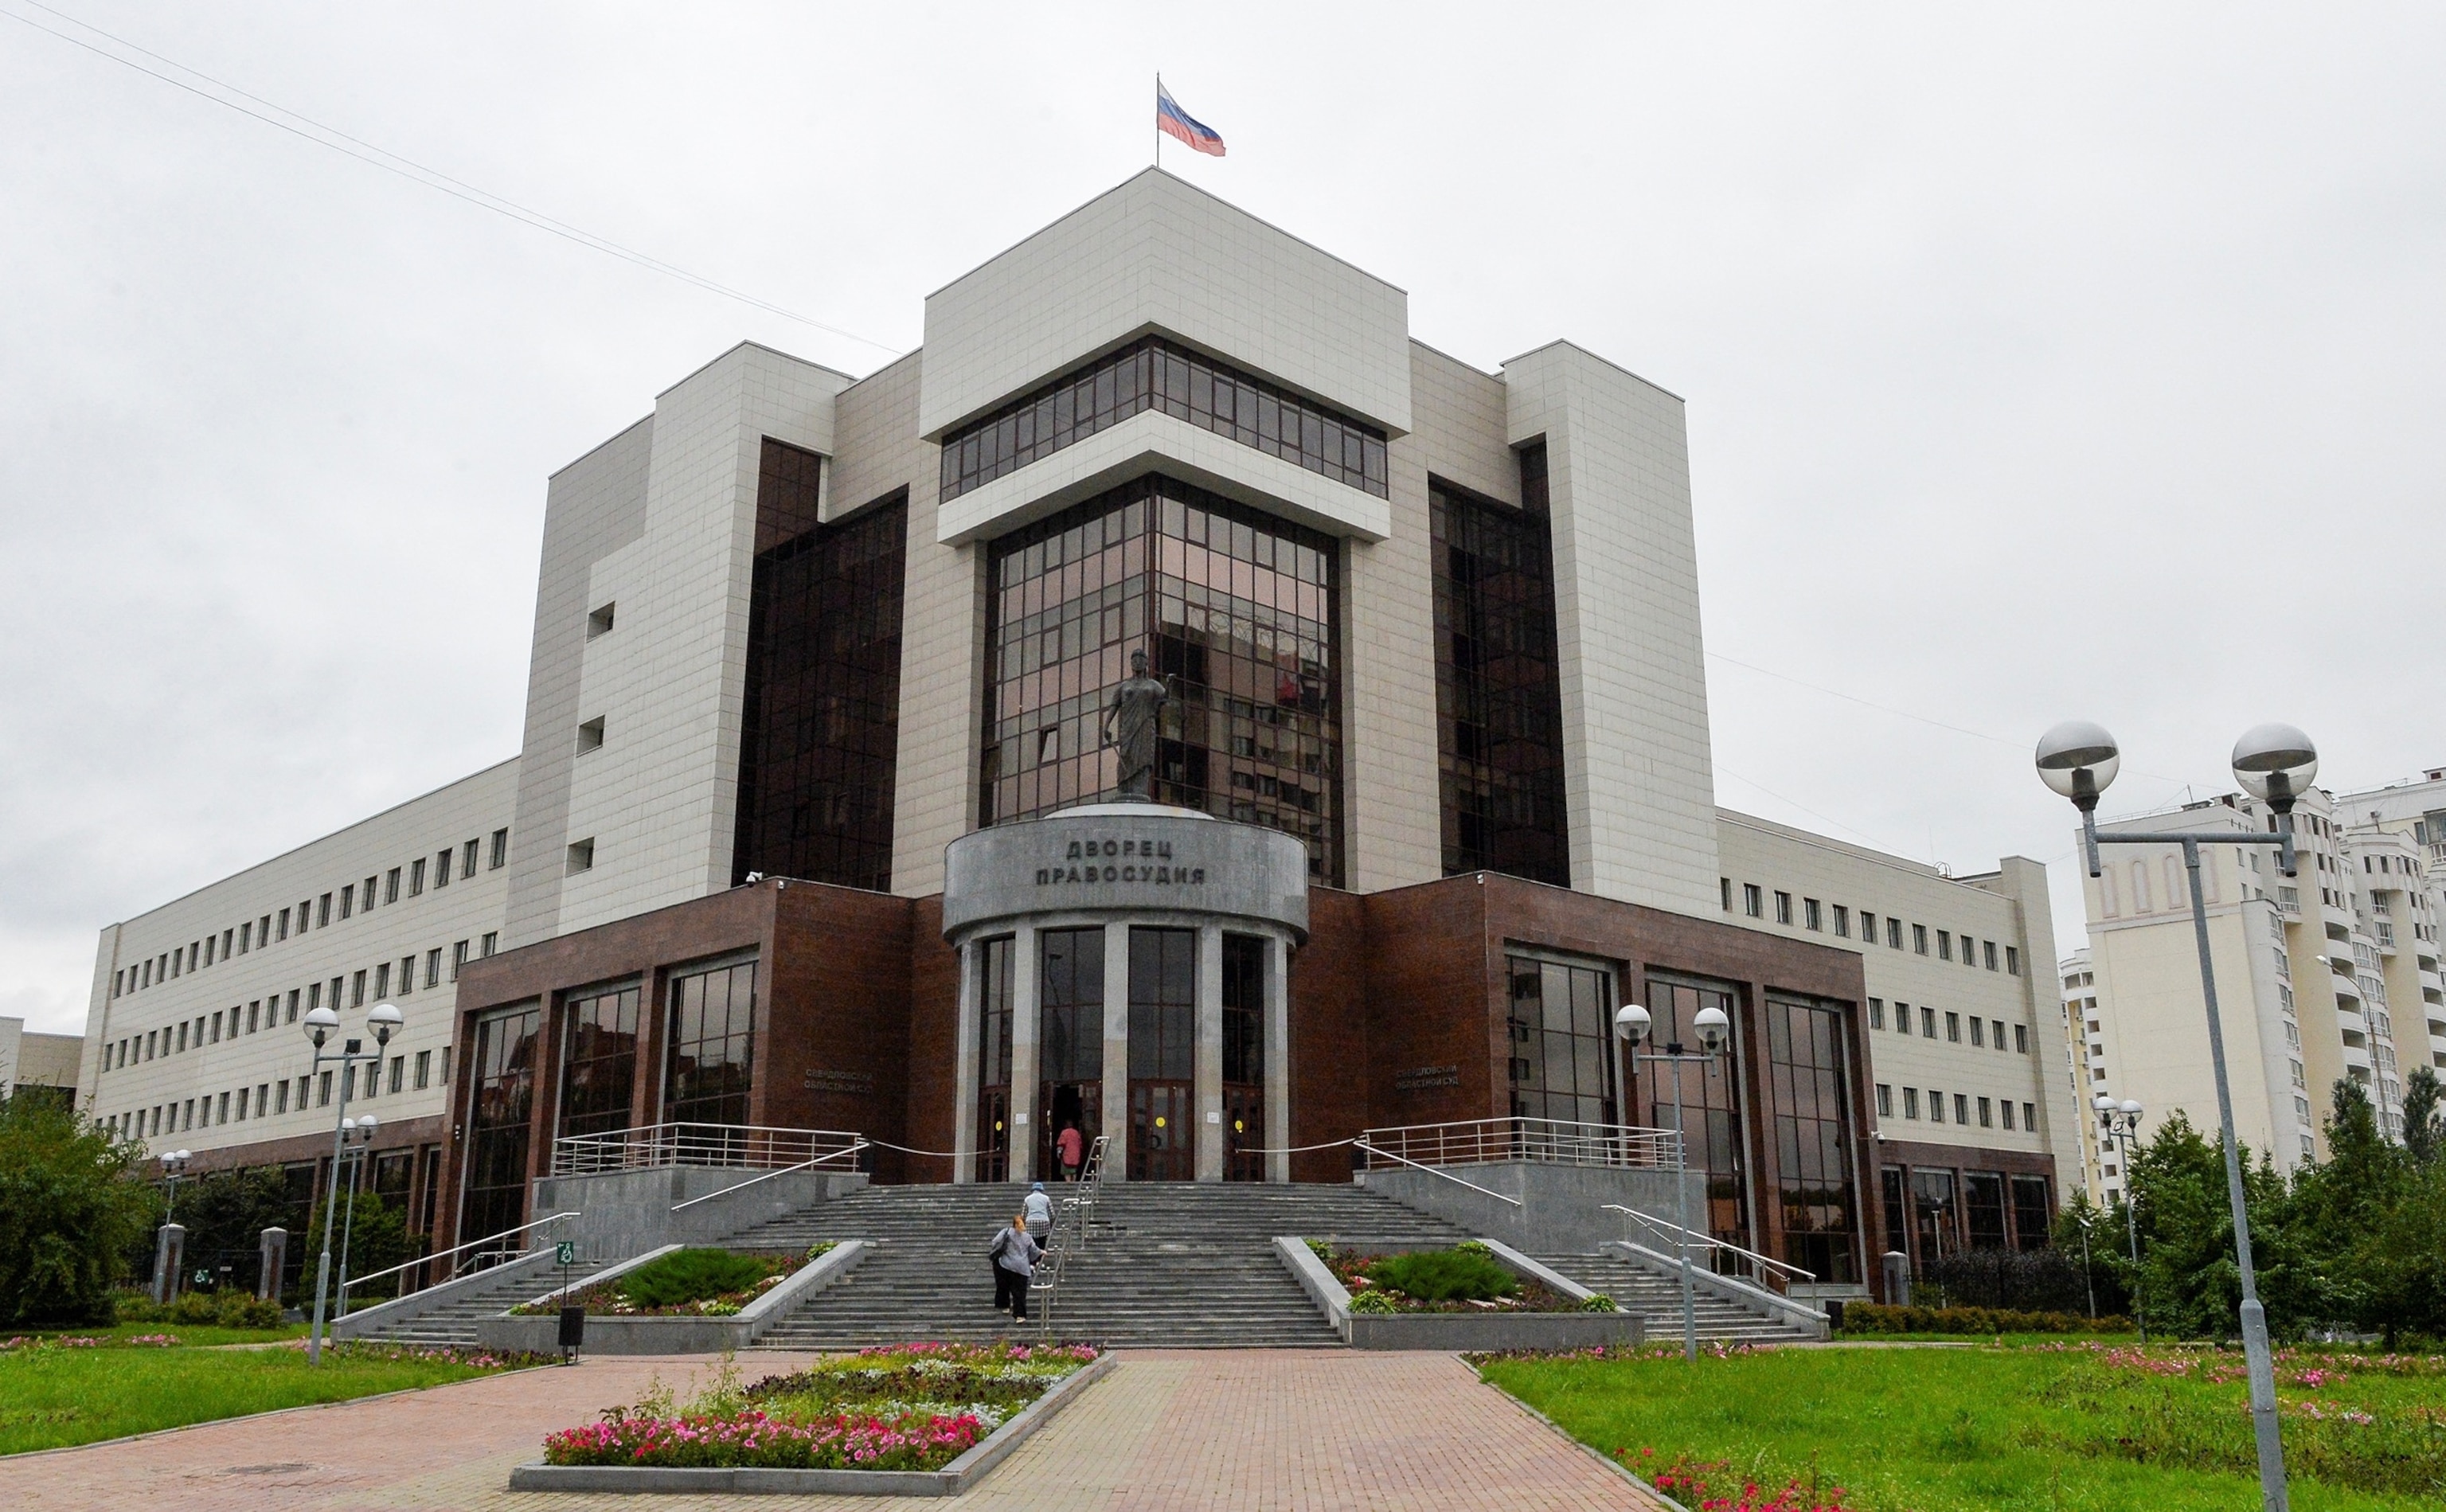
[[507, 1044], [1071, 964], [599, 1040], [1784, 907], [1997, 1026], [348, 900], [1927, 1023], [365, 898], [2005, 1109], [1885, 1100], [406, 974], [241, 1102], [398, 1071], [2030, 1211], [1983, 1204], [467, 859], [1935, 1106], [492, 942], [382, 981], [1498, 689], [458, 958], [1961, 1108], [323, 912], [2021, 1039], [433, 968], [501, 856], [423, 1070], [1988, 953], [1978, 1033], [1953, 1028], [220, 1109], [709, 1066], [1919, 939], [182, 1037], [416, 878], [323, 1090], [1944, 945], [1560, 1022], [2012, 960], [442, 868], [1244, 1057], [1842, 923], [1911, 1102], [357, 990], [996, 993], [281, 1106], [1893, 933], [1986, 1116], [1876, 1012], [1809, 1090], [284, 923], [1753, 901], [1723, 887], [291, 1016]]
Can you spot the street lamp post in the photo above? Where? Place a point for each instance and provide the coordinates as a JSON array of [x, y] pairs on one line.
[[359, 1133], [2088, 1284], [1632, 1025], [383, 1019], [2119, 1126], [2273, 762], [174, 1165]]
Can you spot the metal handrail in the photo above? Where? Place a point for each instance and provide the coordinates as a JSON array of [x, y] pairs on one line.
[[1057, 1247], [1710, 1241], [1554, 1142], [428, 1259], [1361, 1143], [655, 1145], [785, 1170]]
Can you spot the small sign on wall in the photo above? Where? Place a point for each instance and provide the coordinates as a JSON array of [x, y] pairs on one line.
[[1419, 1078], [849, 1082]]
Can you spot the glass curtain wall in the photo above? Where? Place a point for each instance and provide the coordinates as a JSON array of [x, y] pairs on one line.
[[1235, 611], [1070, 1039], [1560, 1024], [819, 732], [1811, 1091], [1498, 689], [598, 1064], [500, 1116], [1711, 1097], [2033, 1215], [1164, 1008], [1244, 1057], [993, 990], [712, 1059]]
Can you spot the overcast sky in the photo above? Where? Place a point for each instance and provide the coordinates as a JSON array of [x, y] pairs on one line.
[[2045, 364]]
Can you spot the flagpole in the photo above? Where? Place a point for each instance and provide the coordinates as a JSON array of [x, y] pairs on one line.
[[1158, 118]]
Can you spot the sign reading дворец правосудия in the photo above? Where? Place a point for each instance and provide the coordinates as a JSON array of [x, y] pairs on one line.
[[1124, 857]]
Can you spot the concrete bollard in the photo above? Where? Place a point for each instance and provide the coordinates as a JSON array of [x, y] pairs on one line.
[[169, 1256], [272, 1259], [1897, 1278]]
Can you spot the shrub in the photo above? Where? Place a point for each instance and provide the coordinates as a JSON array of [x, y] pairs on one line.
[[1874, 1317], [72, 1209], [1445, 1275], [1598, 1302], [692, 1275], [240, 1310], [1372, 1301]]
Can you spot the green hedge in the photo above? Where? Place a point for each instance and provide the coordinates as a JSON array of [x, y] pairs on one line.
[[1872, 1318]]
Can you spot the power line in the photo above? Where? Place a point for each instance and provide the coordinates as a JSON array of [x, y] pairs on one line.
[[308, 129]]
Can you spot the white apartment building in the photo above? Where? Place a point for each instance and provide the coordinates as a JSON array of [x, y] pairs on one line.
[[2080, 1023], [2332, 975], [36, 1060]]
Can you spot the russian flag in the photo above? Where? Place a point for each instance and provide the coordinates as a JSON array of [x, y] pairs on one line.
[[1178, 123]]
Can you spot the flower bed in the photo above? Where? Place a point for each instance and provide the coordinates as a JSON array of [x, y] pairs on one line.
[[1465, 1278], [685, 1283], [913, 1406]]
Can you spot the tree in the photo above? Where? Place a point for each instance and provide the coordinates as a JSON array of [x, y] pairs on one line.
[[72, 1205], [226, 1214], [2190, 1281], [377, 1238], [2425, 1123]]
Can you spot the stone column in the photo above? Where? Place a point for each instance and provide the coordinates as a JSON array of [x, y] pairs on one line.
[[1027, 1020], [1117, 1052], [966, 1048], [1206, 1068], [1278, 1057], [169, 1262], [272, 1257]]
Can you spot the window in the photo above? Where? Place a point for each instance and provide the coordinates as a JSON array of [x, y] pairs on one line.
[[1498, 691], [357, 994], [492, 941], [1988, 953], [1784, 907], [1935, 1106], [182, 1036], [2004, 1108], [1867, 928], [2021, 1039], [598, 1060], [709, 1068], [416, 878], [348, 900], [1986, 1119], [581, 855], [1927, 1022], [1953, 1028], [1560, 1022], [1919, 939], [217, 1028], [390, 887], [323, 1090], [1876, 1012], [433, 968], [467, 859], [1961, 1108], [1711, 1097], [291, 1015], [1753, 901], [365, 898], [1997, 1027], [1885, 1100], [1723, 886], [442, 868], [1153, 374], [1234, 611], [284, 922], [458, 958], [1977, 1037], [598, 622], [501, 856], [1809, 1092], [1911, 1102], [500, 1113], [423, 1068], [2012, 960], [821, 725], [589, 735], [1162, 1009], [1842, 923], [1944, 946], [1983, 1202], [382, 981]]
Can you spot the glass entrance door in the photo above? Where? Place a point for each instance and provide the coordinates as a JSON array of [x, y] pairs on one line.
[[1161, 1131], [1163, 1009], [1711, 1098], [500, 1115], [1244, 1058], [1070, 1041]]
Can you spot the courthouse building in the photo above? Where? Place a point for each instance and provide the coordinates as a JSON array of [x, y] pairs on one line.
[[819, 822]]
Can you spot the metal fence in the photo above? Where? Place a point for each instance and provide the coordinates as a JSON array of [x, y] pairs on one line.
[[738, 1146], [1482, 1142]]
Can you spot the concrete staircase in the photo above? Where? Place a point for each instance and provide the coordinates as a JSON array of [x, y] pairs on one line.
[[1169, 1264], [1658, 1298], [454, 1320]]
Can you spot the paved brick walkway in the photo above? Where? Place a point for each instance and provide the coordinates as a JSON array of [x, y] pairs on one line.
[[1210, 1430]]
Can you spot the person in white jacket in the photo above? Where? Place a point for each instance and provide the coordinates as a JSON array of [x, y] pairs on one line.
[[1013, 1253]]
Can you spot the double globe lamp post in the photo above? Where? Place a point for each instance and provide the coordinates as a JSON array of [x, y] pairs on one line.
[[2275, 763], [384, 1020], [2119, 1125], [1632, 1024]]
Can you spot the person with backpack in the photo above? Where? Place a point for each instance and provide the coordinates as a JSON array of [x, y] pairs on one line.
[[1013, 1254]]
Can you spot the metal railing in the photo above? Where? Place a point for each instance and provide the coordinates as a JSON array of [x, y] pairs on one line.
[[856, 1148], [1073, 1218], [743, 1146], [1554, 1142], [1770, 1272], [482, 1259]]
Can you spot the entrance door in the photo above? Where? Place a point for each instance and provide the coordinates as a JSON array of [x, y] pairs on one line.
[[1162, 1133], [1243, 1133], [1068, 1104], [1936, 1228]]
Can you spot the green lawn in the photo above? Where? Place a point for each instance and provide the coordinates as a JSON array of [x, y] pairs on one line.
[[200, 1335], [2040, 1428], [55, 1395]]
